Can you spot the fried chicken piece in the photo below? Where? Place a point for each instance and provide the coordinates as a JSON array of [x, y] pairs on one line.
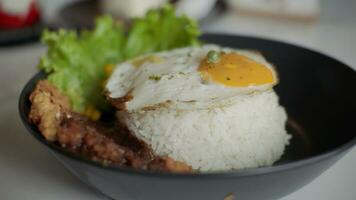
[[48, 104], [50, 111], [94, 141]]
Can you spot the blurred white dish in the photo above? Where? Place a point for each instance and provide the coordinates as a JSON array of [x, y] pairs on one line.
[[128, 9], [197, 9]]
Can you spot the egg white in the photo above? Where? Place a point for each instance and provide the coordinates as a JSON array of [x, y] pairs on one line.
[[175, 80]]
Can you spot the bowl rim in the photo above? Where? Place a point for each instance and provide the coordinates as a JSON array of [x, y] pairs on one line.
[[25, 92]]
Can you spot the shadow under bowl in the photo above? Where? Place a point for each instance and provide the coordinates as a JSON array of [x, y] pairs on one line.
[[318, 94]]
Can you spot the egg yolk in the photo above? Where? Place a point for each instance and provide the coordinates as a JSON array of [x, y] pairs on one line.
[[235, 70]]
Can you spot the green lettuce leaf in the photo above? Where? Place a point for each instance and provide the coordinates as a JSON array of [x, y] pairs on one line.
[[160, 30], [75, 62]]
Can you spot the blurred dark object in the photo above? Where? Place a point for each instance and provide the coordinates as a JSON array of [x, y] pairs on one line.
[[10, 37], [81, 14]]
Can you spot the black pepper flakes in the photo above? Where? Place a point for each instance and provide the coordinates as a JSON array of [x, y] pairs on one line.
[[154, 77]]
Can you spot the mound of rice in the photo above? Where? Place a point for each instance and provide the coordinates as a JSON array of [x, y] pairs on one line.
[[247, 132]]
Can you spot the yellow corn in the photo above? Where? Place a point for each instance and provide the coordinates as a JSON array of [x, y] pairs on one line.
[[108, 69], [92, 113], [95, 115]]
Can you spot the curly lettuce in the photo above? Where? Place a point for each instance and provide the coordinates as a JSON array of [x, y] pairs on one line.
[[160, 30], [75, 62]]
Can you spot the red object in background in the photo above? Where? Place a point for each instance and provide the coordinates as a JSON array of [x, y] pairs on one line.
[[11, 21]]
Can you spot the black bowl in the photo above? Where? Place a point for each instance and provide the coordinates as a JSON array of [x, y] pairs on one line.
[[318, 94]]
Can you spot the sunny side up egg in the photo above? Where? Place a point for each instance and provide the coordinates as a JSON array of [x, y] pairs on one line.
[[194, 76]]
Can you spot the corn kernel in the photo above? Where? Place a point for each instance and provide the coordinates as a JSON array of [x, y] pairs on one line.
[[92, 113], [108, 69], [95, 115]]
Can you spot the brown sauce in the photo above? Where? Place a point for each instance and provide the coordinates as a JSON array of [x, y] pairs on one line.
[[105, 142]]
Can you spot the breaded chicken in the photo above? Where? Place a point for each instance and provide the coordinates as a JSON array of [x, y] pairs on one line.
[[48, 106], [51, 112]]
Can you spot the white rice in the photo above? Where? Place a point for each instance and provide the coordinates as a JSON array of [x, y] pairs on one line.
[[248, 132]]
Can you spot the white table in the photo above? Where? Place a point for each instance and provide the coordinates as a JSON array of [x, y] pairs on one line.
[[28, 171]]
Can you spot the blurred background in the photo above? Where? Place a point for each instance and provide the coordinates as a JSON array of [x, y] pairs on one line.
[[328, 26]]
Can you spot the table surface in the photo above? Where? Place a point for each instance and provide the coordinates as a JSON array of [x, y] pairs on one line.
[[27, 171]]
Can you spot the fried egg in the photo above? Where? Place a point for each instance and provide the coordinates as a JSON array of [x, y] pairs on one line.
[[194, 76]]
